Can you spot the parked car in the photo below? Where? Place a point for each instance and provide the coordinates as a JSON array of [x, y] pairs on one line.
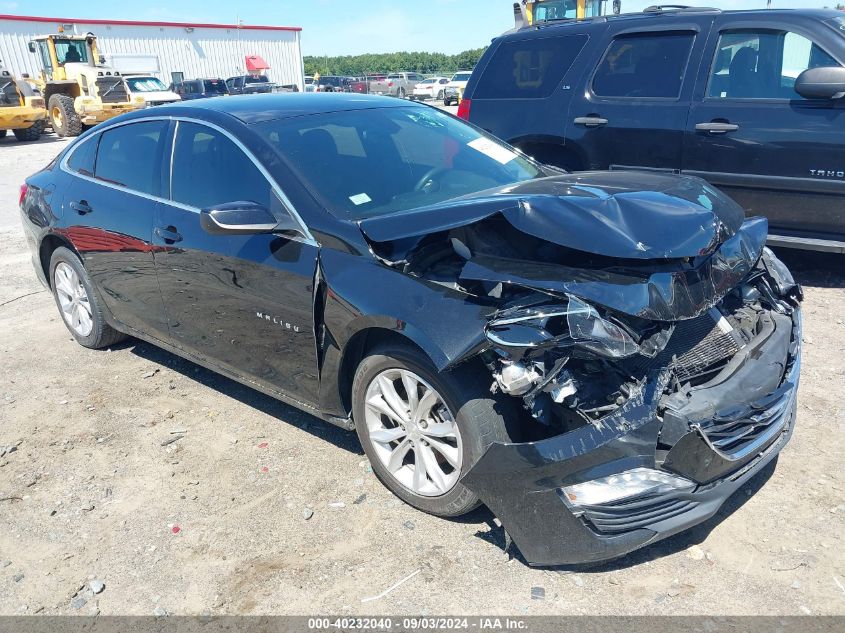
[[396, 84], [749, 100], [602, 358], [332, 83], [151, 89], [454, 89], [250, 84], [200, 89], [310, 86], [431, 88]]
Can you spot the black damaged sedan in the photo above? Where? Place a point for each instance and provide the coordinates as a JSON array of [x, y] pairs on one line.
[[600, 358]]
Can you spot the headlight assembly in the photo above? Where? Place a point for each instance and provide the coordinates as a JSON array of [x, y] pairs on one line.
[[631, 483]]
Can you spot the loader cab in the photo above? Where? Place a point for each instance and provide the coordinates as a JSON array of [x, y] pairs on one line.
[[58, 53]]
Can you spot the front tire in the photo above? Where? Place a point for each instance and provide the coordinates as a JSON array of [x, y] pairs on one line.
[[32, 133], [400, 93], [78, 304], [422, 429], [63, 117]]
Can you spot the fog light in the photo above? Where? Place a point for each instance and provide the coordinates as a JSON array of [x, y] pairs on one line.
[[631, 483]]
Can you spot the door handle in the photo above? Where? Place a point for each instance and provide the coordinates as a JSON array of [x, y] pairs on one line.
[[590, 121], [716, 127], [169, 234], [81, 207]]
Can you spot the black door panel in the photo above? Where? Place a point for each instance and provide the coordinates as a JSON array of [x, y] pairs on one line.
[[775, 153]]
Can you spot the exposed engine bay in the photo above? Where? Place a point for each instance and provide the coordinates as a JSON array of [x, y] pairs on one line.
[[574, 334]]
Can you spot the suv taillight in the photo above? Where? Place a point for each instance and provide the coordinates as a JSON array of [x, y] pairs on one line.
[[463, 109], [23, 194]]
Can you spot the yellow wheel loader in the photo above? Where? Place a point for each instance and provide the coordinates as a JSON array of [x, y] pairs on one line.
[[79, 88], [530, 12], [21, 110]]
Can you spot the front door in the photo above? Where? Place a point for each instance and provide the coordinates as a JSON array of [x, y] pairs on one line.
[[633, 109], [749, 133], [243, 302], [108, 215]]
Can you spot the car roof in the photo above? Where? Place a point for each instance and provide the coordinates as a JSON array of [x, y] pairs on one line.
[[269, 107], [770, 14]]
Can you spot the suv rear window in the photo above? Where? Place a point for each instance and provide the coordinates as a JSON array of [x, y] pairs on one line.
[[648, 65], [214, 86], [528, 68]]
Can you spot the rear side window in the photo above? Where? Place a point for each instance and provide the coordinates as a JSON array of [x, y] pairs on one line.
[[529, 68], [82, 158], [209, 169], [648, 65], [130, 156]]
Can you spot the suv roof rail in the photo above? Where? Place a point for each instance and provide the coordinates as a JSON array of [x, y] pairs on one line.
[[665, 8]]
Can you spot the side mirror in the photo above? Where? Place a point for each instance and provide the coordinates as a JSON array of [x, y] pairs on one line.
[[31, 47], [617, 7], [825, 82], [102, 59], [244, 218]]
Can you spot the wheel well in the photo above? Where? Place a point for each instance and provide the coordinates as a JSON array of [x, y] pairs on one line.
[[357, 348], [551, 153], [48, 246], [71, 90]]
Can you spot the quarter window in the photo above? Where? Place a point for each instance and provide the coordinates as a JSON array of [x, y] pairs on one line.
[[130, 156], [763, 64], [81, 160], [209, 169], [528, 68], [650, 65]]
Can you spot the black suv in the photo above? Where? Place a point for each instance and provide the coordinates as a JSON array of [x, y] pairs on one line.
[[749, 100]]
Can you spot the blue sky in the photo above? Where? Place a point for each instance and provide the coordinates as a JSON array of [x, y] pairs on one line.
[[347, 27]]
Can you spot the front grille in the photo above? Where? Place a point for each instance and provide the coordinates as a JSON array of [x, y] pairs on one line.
[[739, 432], [627, 514], [9, 96], [112, 90], [697, 350]]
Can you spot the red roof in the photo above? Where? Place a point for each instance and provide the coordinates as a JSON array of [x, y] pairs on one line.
[[194, 25], [255, 63]]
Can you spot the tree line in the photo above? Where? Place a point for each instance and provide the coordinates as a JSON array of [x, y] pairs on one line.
[[425, 63]]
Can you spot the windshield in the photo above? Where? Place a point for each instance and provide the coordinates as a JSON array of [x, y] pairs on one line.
[[215, 86], [145, 84], [71, 51], [461, 77], [364, 163]]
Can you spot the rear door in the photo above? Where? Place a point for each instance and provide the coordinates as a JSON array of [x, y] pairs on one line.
[[109, 209], [243, 302], [633, 109], [753, 136]]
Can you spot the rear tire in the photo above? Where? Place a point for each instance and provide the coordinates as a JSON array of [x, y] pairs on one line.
[[63, 117], [32, 133], [68, 281], [480, 418]]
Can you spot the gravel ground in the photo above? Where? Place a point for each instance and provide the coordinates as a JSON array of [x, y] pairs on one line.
[[102, 511]]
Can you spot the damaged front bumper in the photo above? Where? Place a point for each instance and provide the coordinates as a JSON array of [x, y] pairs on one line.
[[732, 427]]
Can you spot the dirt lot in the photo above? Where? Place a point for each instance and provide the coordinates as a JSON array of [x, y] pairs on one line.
[[215, 521]]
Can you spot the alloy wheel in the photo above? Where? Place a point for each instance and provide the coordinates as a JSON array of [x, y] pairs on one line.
[[413, 433], [73, 300]]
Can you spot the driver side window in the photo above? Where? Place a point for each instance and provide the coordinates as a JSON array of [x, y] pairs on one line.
[[763, 64]]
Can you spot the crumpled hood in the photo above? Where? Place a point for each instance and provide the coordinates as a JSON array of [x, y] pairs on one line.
[[631, 215]]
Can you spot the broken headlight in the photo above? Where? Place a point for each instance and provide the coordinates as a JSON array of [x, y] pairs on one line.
[[576, 323], [631, 483]]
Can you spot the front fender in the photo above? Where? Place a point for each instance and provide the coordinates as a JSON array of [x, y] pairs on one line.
[[360, 293]]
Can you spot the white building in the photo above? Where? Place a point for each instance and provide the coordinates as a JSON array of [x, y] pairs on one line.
[[181, 50]]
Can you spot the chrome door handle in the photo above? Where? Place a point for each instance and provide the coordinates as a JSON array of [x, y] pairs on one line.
[[169, 234], [715, 127], [81, 207], [590, 121]]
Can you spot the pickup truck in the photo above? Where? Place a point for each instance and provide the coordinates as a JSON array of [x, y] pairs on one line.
[[250, 85], [396, 84]]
